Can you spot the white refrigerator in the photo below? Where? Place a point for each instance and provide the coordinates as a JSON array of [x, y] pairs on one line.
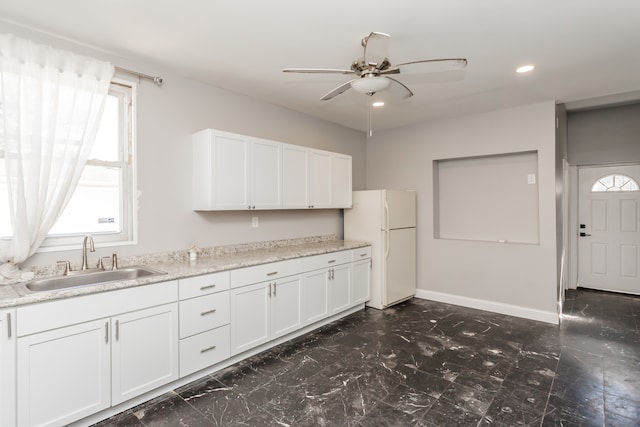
[[386, 219]]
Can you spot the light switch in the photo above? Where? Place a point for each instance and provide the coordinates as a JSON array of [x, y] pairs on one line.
[[531, 178]]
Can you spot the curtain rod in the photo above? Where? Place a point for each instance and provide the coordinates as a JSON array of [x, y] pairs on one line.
[[157, 80]]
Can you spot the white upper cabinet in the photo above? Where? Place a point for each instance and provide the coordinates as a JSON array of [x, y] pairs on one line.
[[319, 179], [221, 178], [237, 172], [341, 186], [266, 174], [295, 177]]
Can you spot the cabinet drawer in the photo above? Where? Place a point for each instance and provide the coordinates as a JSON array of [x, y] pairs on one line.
[[203, 350], [326, 260], [203, 285], [203, 313], [265, 272], [361, 253]]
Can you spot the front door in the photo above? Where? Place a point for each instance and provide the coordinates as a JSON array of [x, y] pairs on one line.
[[609, 228]]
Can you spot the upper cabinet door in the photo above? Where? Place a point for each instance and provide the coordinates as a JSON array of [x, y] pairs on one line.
[[295, 177], [341, 187], [221, 171], [319, 179], [266, 174]]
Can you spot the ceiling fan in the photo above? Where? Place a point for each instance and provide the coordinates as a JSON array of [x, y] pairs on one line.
[[373, 71]]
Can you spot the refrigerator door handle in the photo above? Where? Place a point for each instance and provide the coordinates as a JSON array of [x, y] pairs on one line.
[[386, 229], [386, 215], [386, 244]]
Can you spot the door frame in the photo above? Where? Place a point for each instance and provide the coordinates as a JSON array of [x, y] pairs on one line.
[[574, 201]]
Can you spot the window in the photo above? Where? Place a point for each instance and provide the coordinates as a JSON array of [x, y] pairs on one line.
[[103, 203], [615, 183]]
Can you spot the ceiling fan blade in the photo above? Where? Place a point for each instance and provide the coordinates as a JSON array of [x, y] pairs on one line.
[[317, 70], [337, 91], [376, 48], [427, 66], [399, 88]]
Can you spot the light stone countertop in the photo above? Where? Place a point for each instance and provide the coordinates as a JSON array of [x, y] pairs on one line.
[[177, 265]]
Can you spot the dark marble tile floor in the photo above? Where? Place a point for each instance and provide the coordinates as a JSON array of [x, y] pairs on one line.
[[424, 363]]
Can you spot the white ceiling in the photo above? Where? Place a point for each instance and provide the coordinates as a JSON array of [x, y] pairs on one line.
[[582, 49]]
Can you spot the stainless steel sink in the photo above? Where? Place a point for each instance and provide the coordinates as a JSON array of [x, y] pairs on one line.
[[87, 279]]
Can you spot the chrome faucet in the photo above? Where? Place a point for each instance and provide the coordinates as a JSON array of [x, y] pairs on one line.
[[92, 248]]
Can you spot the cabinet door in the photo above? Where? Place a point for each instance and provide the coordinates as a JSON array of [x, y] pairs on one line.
[[64, 374], [285, 306], [315, 296], [340, 288], [221, 171], [361, 284], [7, 368], [250, 317], [341, 186], [319, 179], [266, 174], [295, 177], [144, 351]]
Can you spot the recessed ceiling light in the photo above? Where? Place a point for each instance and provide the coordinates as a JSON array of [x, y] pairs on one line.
[[525, 69], [378, 104]]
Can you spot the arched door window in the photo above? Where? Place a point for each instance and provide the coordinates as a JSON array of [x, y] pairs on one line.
[[615, 183]]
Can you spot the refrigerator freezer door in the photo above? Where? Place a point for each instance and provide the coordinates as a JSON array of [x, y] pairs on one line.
[[400, 266], [400, 208]]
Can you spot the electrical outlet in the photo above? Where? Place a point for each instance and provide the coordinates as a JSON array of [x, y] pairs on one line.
[[531, 178], [254, 222]]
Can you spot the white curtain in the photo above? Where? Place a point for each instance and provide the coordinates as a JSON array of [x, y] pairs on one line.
[[51, 103]]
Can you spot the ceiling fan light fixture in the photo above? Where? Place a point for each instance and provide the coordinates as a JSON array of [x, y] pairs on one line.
[[370, 84], [525, 69], [377, 104]]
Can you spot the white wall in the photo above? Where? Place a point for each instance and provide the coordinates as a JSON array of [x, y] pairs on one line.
[[517, 279], [166, 118], [604, 135]]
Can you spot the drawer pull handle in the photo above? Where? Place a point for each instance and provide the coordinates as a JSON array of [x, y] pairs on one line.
[[273, 273], [331, 261], [8, 325], [363, 254], [204, 350], [204, 313], [204, 288]]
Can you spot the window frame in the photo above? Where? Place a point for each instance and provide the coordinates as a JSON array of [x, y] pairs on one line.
[[129, 208], [618, 189]]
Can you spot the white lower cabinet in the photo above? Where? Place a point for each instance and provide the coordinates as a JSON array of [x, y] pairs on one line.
[[264, 311], [250, 316], [69, 367], [327, 285], [315, 296], [285, 307], [203, 350], [361, 281], [69, 373], [339, 288], [64, 374], [7, 368], [204, 321], [144, 351]]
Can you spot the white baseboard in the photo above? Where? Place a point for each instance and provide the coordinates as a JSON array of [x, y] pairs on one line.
[[496, 307]]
